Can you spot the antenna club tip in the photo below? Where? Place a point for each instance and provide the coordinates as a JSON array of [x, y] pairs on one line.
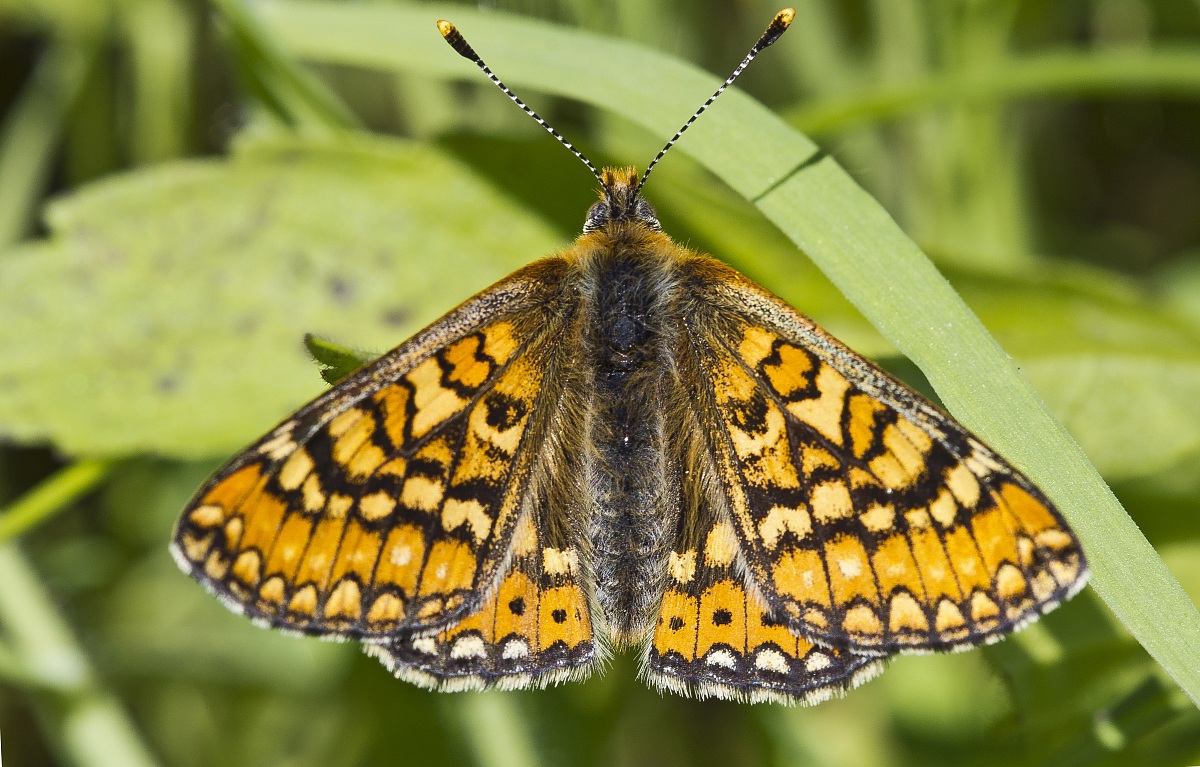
[[446, 28], [784, 17]]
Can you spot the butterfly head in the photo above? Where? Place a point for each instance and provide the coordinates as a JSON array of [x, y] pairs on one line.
[[620, 201]]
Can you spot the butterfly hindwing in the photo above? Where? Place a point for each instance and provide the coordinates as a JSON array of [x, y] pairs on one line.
[[715, 638], [388, 504], [534, 629], [868, 518]]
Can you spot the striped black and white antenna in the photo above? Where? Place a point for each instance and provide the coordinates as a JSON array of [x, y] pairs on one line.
[[464, 49], [775, 29]]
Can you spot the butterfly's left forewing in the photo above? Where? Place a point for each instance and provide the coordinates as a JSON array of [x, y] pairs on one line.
[[388, 505]]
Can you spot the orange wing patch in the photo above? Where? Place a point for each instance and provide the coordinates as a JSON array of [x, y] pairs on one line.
[[387, 504], [714, 639], [868, 518], [534, 630]]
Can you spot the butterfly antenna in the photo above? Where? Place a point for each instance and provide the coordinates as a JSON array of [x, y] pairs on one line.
[[464, 49], [775, 29]]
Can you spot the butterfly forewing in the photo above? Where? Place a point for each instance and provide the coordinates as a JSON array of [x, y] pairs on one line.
[[388, 504], [868, 519]]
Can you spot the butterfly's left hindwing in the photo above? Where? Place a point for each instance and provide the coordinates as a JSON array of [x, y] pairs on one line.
[[533, 630], [868, 519], [388, 504]]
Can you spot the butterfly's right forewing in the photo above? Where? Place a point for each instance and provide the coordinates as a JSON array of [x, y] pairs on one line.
[[868, 519]]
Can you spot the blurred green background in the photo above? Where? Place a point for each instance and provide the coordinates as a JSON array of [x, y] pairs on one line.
[[186, 189]]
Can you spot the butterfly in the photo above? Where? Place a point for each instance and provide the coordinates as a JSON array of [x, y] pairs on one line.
[[629, 445]]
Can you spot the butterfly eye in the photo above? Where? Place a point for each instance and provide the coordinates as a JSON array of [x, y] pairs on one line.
[[597, 216], [644, 213]]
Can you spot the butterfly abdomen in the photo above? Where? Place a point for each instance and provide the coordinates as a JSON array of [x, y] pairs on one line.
[[627, 276]]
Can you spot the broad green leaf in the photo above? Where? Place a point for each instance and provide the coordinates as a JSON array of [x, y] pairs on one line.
[[167, 310]]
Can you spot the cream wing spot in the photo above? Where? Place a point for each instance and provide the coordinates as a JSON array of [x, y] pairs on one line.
[[817, 661], [944, 509], [278, 447], [879, 518], [830, 501], [963, 485], [682, 566], [295, 469], [824, 413], [434, 403], [421, 493], [208, 515], [721, 657], [468, 646], [376, 506], [769, 659], [560, 561], [949, 617], [515, 649], [470, 512], [755, 345], [401, 555], [345, 601], [721, 545], [314, 496], [425, 645], [781, 519]]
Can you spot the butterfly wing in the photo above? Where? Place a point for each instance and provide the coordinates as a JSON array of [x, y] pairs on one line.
[[388, 504], [866, 517], [715, 638], [533, 630]]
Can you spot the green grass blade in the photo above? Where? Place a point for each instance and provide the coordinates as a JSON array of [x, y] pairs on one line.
[[87, 722], [52, 495], [30, 132], [1144, 73], [296, 95], [831, 219]]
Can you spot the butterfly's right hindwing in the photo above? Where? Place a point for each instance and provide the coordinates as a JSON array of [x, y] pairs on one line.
[[388, 504], [715, 638]]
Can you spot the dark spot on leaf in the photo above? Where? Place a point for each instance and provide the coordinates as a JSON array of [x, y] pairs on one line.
[[168, 384], [246, 324], [397, 316], [341, 290]]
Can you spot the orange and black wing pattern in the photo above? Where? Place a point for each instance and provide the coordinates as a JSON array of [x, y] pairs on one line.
[[388, 505], [867, 518], [534, 629], [714, 637]]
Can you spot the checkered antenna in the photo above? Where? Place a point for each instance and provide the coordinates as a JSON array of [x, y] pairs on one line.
[[775, 29], [464, 49]]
